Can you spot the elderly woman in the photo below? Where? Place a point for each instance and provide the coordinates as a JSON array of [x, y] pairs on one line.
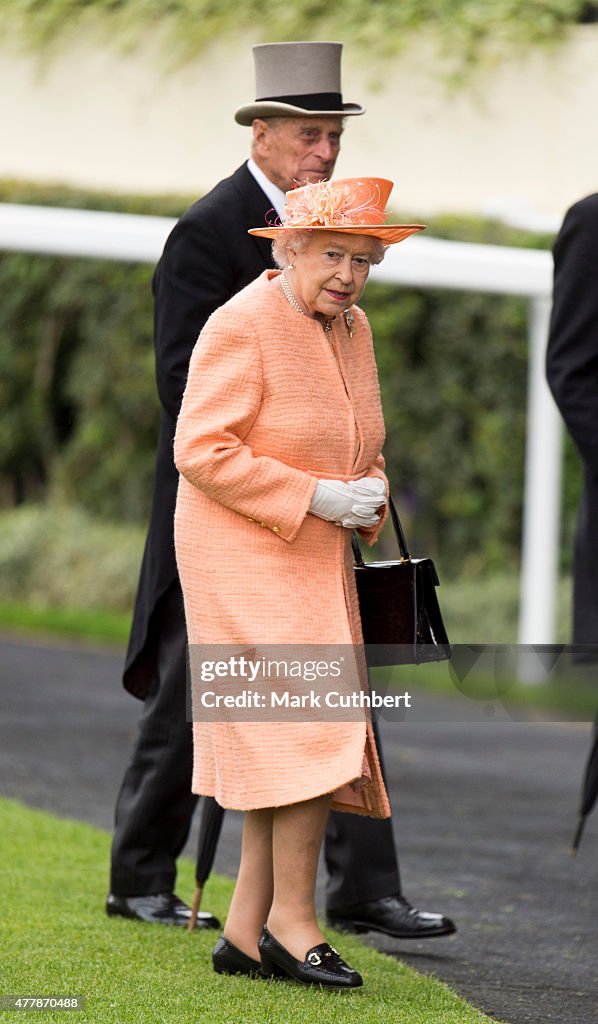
[[278, 446]]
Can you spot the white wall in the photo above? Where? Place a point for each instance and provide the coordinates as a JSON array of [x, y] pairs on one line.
[[524, 134]]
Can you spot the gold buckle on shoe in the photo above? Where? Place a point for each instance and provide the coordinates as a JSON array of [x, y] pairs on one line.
[[314, 959]]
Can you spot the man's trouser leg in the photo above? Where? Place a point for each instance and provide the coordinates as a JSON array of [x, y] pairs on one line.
[[155, 804], [361, 856]]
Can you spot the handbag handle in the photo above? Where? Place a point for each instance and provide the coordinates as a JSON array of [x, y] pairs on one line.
[[396, 522]]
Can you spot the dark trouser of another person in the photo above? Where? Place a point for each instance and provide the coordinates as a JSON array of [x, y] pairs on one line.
[[155, 807], [155, 804]]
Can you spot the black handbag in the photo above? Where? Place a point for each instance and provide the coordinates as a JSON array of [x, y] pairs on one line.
[[401, 619]]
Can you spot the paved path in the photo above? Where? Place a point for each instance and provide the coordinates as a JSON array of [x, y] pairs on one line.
[[484, 813]]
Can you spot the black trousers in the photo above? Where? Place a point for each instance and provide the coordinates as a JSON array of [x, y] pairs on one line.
[[155, 804]]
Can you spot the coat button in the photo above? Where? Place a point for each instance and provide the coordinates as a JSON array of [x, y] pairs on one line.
[[263, 524], [276, 529]]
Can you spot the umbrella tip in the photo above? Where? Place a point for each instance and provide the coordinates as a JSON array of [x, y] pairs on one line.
[[577, 837], [195, 909]]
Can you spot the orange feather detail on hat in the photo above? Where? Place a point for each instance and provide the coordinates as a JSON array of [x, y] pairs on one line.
[[327, 204]]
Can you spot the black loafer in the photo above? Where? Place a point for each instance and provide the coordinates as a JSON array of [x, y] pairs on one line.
[[227, 959], [322, 965], [161, 908], [391, 915]]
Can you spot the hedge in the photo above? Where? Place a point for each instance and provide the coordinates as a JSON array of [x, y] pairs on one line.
[[79, 412], [466, 34]]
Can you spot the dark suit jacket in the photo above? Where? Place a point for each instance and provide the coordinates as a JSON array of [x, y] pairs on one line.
[[572, 371], [207, 258]]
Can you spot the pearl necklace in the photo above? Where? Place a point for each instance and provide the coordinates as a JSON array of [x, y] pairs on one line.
[[326, 325]]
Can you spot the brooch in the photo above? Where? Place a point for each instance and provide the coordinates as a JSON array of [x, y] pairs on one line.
[[350, 322]]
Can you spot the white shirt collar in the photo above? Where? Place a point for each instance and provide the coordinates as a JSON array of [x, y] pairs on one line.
[[273, 192]]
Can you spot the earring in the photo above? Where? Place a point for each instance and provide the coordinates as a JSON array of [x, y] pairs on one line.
[[291, 266]]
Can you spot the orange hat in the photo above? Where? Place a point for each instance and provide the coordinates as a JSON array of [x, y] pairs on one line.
[[354, 205]]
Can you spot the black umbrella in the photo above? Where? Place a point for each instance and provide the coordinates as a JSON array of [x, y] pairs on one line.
[[212, 816], [589, 791]]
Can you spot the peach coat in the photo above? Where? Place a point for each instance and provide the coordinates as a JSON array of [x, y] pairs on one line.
[[273, 403]]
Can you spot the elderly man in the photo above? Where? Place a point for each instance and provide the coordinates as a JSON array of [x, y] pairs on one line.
[[296, 122]]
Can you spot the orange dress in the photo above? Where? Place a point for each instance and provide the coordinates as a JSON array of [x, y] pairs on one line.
[[273, 403]]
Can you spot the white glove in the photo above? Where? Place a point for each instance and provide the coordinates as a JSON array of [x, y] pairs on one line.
[[364, 490], [348, 505], [369, 485]]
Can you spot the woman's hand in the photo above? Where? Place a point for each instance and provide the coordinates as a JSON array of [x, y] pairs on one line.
[[352, 504], [366, 489]]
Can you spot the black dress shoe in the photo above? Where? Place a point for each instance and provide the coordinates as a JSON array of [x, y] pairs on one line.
[[322, 965], [227, 959], [161, 908], [391, 915]]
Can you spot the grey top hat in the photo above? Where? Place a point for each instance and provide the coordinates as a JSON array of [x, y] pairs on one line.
[[297, 80]]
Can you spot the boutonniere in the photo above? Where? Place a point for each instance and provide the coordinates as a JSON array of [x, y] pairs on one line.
[[350, 322]]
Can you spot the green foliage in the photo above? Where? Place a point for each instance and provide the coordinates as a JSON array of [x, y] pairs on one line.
[[455, 440], [77, 393], [58, 557], [77, 389], [80, 414], [486, 611], [466, 31]]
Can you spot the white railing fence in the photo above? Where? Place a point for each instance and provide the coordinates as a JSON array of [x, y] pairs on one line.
[[424, 262]]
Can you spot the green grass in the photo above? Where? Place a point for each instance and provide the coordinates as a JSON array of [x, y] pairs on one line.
[[571, 692], [105, 627], [56, 940]]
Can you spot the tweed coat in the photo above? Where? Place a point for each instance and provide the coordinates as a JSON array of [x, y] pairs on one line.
[[273, 403], [572, 371]]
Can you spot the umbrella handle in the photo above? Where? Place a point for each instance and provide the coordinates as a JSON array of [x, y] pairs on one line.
[[195, 908]]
